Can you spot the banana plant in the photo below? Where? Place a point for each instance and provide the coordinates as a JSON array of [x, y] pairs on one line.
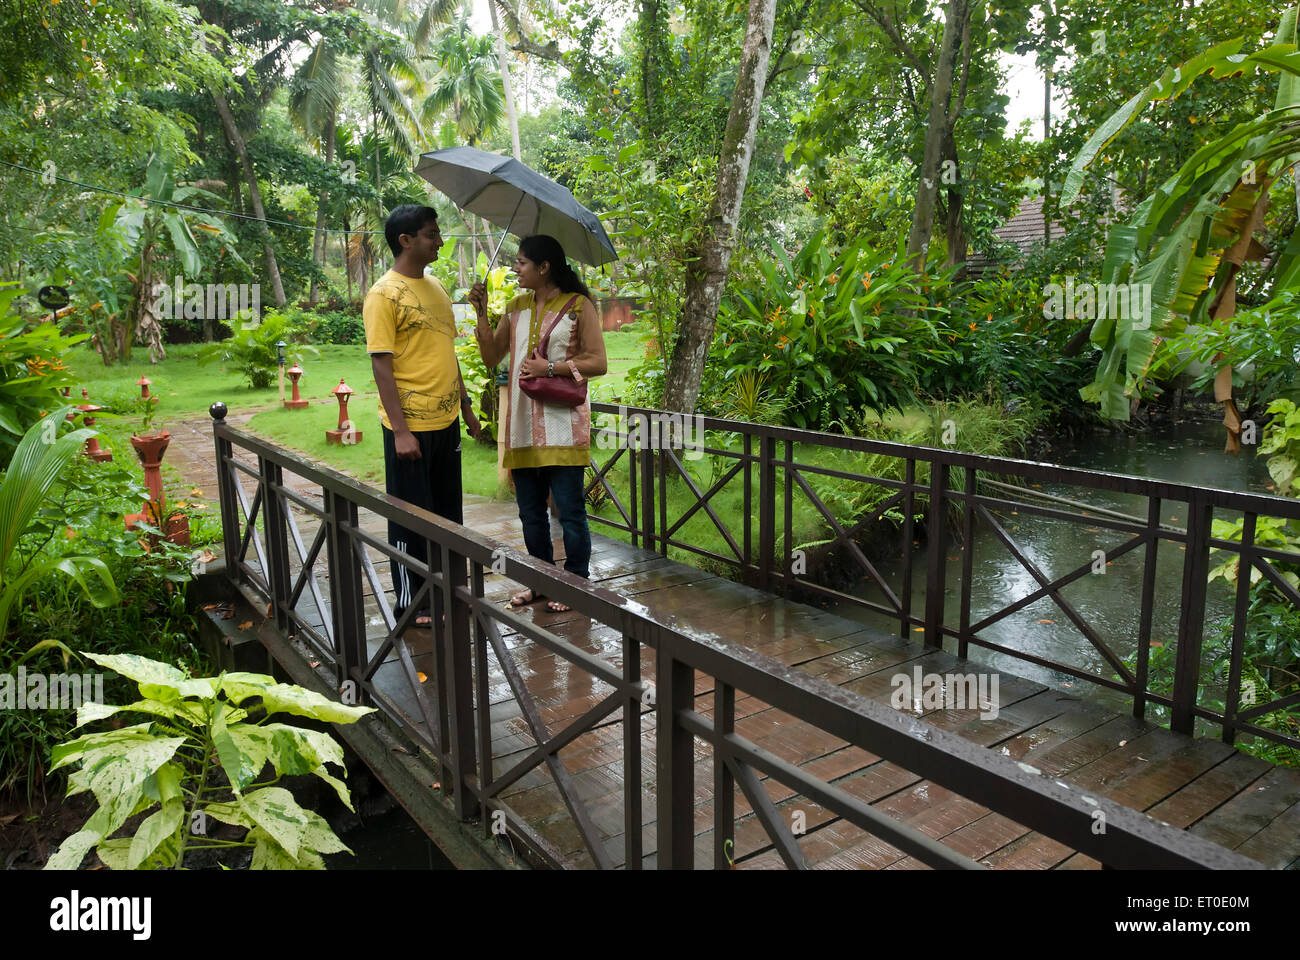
[[1189, 238], [153, 225], [41, 457]]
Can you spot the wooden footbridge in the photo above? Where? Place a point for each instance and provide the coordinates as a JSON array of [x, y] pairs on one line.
[[677, 718]]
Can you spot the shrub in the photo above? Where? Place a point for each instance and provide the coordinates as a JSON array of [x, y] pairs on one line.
[[1007, 349], [200, 727], [832, 331], [32, 372], [75, 577], [337, 326], [252, 346]]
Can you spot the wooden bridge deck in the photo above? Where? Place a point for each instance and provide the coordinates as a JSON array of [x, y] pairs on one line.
[[1203, 785]]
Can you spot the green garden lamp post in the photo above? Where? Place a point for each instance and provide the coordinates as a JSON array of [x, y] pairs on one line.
[[280, 346]]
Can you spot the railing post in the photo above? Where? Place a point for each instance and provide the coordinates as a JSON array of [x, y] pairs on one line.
[[632, 820], [634, 503], [937, 550], [766, 508], [347, 605], [648, 468], [1245, 567], [787, 525], [967, 560], [1187, 664], [226, 494], [1148, 605], [277, 541], [675, 764], [909, 506], [482, 696], [459, 672], [749, 500], [724, 787]]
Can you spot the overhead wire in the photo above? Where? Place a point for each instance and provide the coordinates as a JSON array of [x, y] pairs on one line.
[[218, 213]]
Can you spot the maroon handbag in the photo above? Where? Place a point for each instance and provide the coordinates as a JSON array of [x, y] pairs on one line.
[[562, 391]]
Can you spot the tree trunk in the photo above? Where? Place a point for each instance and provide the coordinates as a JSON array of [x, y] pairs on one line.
[[937, 130], [148, 325], [707, 275], [512, 117], [320, 236], [650, 27], [236, 141], [347, 264], [955, 222]]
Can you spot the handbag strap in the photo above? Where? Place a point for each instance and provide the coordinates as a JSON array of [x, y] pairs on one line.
[[544, 343]]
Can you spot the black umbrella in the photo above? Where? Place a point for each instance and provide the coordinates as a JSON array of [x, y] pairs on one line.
[[503, 191]]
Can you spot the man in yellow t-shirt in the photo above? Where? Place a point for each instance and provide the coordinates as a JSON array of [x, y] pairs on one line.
[[410, 336]]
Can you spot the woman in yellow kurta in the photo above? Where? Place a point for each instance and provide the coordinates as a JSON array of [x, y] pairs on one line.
[[548, 445]]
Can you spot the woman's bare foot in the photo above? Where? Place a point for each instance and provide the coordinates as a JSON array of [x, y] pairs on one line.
[[556, 607]]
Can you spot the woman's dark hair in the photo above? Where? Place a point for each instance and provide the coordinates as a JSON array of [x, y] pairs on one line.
[[409, 218], [540, 249]]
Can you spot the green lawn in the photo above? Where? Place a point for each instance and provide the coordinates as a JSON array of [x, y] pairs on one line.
[[187, 388], [303, 431]]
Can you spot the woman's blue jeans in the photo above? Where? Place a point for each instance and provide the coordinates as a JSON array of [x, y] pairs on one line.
[[532, 486]]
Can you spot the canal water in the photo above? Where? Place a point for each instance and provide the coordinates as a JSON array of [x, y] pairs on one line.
[[1190, 452]]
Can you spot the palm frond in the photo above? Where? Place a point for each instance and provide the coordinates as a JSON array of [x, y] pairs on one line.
[[314, 93]]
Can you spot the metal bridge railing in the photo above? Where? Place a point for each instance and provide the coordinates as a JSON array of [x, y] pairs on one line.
[[938, 492], [688, 696]]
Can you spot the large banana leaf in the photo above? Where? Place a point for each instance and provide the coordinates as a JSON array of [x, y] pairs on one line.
[[42, 455], [1221, 60], [37, 462], [1177, 237]]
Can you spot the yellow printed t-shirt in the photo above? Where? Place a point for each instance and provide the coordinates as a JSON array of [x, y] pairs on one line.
[[412, 319]]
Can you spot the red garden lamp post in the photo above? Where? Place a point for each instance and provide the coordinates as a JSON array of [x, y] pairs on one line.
[[297, 403], [150, 448], [346, 434], [93, 449]]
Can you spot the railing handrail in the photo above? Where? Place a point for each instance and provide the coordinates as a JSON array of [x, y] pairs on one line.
[[1271, 504], [1058, 811]]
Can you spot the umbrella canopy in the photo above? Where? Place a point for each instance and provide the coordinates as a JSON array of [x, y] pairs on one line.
[[503, 191]]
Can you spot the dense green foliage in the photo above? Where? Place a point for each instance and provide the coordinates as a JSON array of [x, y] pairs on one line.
[[833, 331], [33, 374], [72, 578]]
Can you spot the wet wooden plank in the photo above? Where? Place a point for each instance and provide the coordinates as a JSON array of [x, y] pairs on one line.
[[1253, 812], [1210, 790]]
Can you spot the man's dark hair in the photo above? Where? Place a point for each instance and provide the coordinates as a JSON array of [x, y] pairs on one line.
[[409, 218]]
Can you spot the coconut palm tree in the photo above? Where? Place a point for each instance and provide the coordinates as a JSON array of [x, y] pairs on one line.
[[467, 85], [313, 108], [387, 39]]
